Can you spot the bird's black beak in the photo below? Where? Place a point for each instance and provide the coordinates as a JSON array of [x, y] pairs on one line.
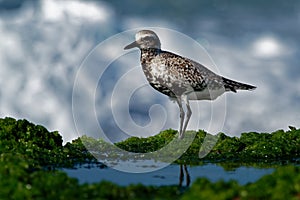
[[132, 45]]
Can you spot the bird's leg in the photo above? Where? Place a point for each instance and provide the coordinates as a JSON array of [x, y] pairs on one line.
[[181, 176], [181, 115], [188, 115], [183, 169], [187, 174]]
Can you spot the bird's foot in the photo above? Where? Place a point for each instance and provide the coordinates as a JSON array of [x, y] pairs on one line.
[[181, 136]]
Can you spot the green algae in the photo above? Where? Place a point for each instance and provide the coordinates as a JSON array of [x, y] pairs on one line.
[[33, 142], [45, 148], [150, 144], [30, 155], [249, 148], [18, 182], [258, 149], [283, 183]]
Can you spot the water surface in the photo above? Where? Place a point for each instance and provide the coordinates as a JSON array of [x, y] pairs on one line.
[[169, 175]]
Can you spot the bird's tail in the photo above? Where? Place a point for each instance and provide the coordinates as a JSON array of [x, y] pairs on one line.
[[233, 86]]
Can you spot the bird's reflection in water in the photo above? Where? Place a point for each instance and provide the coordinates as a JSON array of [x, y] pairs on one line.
[[184, 170]]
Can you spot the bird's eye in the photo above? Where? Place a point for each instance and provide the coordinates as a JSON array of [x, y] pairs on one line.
[[147, 38]]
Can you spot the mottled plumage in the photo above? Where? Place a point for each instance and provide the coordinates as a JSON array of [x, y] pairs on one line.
[[178, 77]]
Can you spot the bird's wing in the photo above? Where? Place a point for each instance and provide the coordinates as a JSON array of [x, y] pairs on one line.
[[200, 77], [212, 80], [192, 72]]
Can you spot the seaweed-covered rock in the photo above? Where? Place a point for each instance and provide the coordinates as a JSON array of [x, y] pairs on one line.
[[22, 131], [283, 183], [150, 144], [34, 142], [250, 147], [27, 150]]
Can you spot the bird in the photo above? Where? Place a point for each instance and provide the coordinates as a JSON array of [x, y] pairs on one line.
[[178, 77]]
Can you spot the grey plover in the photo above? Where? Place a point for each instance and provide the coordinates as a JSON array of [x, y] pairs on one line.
[[178, 77]]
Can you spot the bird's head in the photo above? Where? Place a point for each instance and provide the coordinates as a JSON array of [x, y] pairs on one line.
[[145, 39]]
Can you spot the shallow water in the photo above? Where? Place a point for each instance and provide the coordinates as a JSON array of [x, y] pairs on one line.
[[169, 175]]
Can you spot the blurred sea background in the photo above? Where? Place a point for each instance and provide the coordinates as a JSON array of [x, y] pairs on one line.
[[43, 44]]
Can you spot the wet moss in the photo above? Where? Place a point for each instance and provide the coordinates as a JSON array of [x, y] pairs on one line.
[[30, 155], [250, 147], [44, 149], [283, 183], [17, 181], [150, 144], [33, 142]]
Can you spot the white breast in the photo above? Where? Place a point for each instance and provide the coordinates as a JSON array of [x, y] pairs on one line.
[[206, 94], [158, 69]]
